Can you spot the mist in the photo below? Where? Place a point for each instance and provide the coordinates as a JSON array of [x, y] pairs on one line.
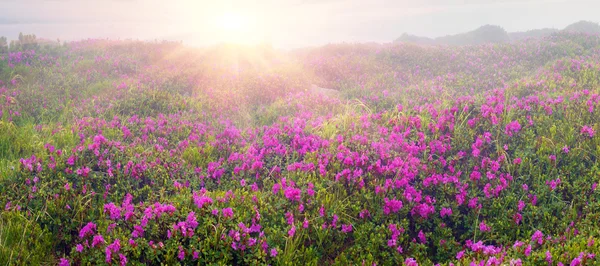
[[283, 24]]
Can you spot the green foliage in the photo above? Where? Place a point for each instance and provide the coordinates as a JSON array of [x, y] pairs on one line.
[[22, 241]]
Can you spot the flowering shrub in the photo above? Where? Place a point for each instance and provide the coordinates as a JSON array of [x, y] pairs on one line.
[[152, 153]]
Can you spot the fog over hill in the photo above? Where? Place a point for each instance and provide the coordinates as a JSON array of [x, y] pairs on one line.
[[497, 34]]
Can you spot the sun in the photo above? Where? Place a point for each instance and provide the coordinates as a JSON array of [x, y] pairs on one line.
[[232, 22], [233, 27]]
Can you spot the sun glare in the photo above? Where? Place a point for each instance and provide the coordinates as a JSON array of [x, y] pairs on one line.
[[236, 28], [232, 22]]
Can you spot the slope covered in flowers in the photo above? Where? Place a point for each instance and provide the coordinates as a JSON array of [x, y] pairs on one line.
[[130, 153]]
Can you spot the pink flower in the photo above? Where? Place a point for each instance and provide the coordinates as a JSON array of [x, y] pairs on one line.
[[484, 227], [227, 212], [587, 130], [79, 248], [392, 206], [292, 231], [122, 259], [113, 211], [512, 127], [538, 237], [410, 262], [71, 160], [64, 262], [445, 212], [181, 253], [553, 183], [201, 201], [88, 229], [273, 252], [276, 188], [98, 239], [346, 228], [293, 194], [517, 218], [422, 237], [528, 251], [516, 262], [548, 256]]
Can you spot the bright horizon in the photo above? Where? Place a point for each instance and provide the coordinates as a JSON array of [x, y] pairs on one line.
[[283, 24]]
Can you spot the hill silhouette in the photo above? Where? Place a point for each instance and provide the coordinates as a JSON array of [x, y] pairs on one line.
[[497, 34], [584, 27]]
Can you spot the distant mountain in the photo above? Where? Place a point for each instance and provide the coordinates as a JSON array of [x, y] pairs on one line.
[[539, 33], [483, 34], [585, 27], [496, 34], [415, 39]]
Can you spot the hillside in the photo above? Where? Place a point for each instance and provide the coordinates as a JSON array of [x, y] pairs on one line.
[[154, 153], [539, 33]]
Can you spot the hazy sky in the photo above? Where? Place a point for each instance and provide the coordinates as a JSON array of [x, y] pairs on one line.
[[283, 23]]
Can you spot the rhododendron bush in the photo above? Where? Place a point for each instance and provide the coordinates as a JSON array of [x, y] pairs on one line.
[[133, 153]]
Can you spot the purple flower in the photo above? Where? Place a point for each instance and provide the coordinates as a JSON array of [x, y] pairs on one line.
[[64, 262], [484, 227], [512, 127], [181, 253], [293, 194], [276, 188], [191, 221], [517, 218], [79, 248], [201, 201], [445, 212], [528, 251], [516, 262], [122, 259], [553, 183], [346, 228], [538, 237], [227, 212], [587, 130], [392, 206], [98, 239], [113, 211], [88, 229], [521, 205], [410, 262], [422, 237], [548, 256], [273, 252], [138, 231], [71, 160]]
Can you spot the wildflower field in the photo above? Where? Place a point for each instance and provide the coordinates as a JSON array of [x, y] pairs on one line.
[[154, 153]]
